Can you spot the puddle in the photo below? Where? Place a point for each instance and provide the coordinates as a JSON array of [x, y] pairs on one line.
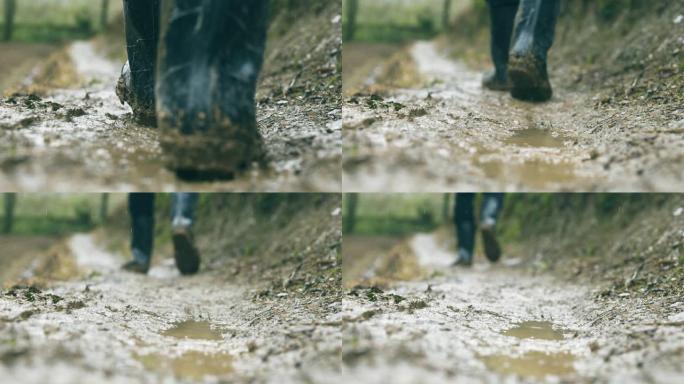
[[190, 365], [539, 330], [191, 329], [535, 137], [533, 364], [533, 173]]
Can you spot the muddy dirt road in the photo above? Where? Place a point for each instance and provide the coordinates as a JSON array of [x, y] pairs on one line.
[[112, 326], [499, 322], [447, 133], [83, 139]]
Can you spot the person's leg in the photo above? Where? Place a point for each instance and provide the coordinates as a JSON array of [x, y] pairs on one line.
[[502, 19], [137, 82], [534, 35], [489, 215], [464, 220], [210, 57], [182, 219], [141, 211]]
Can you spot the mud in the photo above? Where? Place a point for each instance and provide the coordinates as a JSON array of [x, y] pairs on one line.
[[76, 136], [112, 326], [499, 322], [447, 133]]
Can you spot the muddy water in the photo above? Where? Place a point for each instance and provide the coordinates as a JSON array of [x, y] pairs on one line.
[[189, 365], [540, 330], [532, 364], [192, 329], [535, 137], [450, 134]]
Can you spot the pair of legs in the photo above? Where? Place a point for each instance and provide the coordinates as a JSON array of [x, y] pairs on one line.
[[141, 210], [522, 69], [466, 226], [192, 70]]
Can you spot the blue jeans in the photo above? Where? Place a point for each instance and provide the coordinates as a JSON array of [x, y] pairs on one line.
[[464, 218], [141, 210], [535, 27]]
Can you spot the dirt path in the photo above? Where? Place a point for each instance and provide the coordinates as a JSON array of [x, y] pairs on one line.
[[83, 139], [495, 322], [118, 327], [18, 59], [450, 134]]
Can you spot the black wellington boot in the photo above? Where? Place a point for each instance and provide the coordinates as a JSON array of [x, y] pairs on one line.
[[464, 221], [141, 211], [210, 57], [534, 35], [137, 82], [502, 18]]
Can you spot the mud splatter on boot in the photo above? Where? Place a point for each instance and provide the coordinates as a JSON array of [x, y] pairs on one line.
[[209, 64], [143, 111], [529, 79]]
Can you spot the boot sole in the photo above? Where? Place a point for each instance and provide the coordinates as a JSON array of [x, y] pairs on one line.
[[491, 245], [525, 84], [185, 253], [205, 157]]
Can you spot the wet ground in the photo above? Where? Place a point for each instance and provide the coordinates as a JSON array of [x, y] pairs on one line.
[[83, 139], [117, 327], [495, 323], [446, 133]]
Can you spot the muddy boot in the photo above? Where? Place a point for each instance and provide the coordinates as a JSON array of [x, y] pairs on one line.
[[465, 258], [491, 245], [489, 213], [137, 82], [210, 57], [502, 18], [464, 221], [534, 34], [184, 250], [141, 211], [136, 267]]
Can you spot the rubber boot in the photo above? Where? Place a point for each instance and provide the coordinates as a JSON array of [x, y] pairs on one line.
[[210, 57], [185, 252], [141, 211], [489, 213], [464, 220], [137, 82], [534, 35], [502, 18]]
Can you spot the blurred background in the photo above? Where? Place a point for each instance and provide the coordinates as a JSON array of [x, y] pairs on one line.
[[32, 224], [55, 20], [32, 33]]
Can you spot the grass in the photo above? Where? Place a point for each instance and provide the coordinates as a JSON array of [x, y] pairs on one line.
[[398, 21], [397, 214], [52, 21], [57, 214]]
